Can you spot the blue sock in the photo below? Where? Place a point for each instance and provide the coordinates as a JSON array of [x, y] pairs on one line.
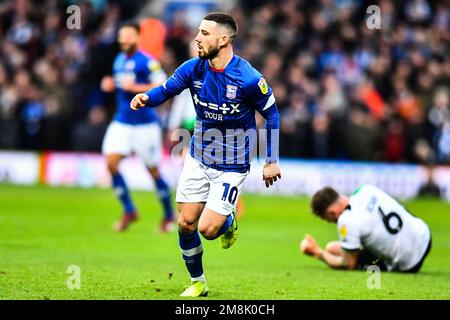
[[192, 252], [122, 193], [225, 226], [164, 196]]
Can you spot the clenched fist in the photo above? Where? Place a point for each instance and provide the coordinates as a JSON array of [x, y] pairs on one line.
[[309, 246], [139, 101]]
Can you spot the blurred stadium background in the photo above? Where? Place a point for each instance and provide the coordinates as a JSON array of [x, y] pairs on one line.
[[357, 105], [345, 92]]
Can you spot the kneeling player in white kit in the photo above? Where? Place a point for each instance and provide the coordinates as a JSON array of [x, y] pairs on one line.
[[373, 229]]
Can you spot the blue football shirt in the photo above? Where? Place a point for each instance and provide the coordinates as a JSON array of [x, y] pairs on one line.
[[225, 103], [138, 68]]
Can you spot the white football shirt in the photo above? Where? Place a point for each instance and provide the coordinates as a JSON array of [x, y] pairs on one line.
[[379, 224]]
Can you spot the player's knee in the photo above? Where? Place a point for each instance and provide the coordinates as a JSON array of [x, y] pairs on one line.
[[154, 172], [186, 225], [113, 166], [208, 231], [113, 169]]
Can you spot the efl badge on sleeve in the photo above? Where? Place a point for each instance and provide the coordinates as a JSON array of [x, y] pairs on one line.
[[263, 85], [153, 65], [343, 231], [231, 91]]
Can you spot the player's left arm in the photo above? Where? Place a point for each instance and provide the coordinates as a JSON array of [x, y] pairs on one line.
[[155, 74], [262, 97], [347, 260], [176, 83]]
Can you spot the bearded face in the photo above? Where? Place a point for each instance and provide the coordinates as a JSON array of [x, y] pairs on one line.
[[208, 39], [128, 39], [208, 52]]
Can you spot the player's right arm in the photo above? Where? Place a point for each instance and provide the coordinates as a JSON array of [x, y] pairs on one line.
[[350, 243], [107, 84], [139, 101], [173, 86], [345, 260]]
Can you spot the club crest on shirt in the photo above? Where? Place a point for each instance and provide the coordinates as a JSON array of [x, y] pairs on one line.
[[262, 84], [129, 65], [231, 91]]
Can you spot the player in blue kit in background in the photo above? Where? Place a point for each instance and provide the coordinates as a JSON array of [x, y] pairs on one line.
[[226, 91], [134, 132]]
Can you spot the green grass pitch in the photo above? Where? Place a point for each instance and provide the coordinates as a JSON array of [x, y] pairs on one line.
[[44, 230]]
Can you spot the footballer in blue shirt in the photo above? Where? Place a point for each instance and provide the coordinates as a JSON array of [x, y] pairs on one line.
[[134, 132], [226, 91]]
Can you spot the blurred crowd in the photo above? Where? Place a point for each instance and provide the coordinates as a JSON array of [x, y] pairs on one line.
[[344, 90], [50, 71]]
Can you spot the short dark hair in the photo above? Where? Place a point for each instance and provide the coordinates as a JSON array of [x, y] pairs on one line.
[[224, 19], [130, 24], [322, 199]]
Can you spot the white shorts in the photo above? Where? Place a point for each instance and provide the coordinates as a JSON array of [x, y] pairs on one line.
[[144, 140], [219, 189]]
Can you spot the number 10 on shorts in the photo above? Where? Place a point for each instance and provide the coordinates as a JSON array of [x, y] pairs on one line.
[[230, 194]]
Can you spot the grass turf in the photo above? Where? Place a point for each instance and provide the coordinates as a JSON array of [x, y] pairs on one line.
[[44, 230]]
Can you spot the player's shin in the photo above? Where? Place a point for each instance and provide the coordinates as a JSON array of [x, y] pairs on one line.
[[164, 197], [122, 193], [192, 252]]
